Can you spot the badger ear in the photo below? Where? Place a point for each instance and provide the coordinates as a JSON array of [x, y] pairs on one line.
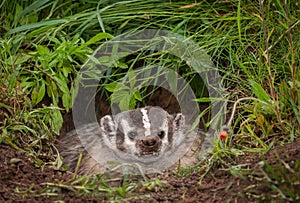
[[108, 129], [178, 121], [178, 127], [108, 125]]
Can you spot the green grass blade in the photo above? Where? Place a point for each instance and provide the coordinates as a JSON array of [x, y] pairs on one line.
[[239, 20], [36, 25], [33, 7]]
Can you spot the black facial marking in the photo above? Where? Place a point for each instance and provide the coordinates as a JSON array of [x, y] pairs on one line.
[[170, 130], [156, 116], [177, 121], [120, 140], [136, 118]]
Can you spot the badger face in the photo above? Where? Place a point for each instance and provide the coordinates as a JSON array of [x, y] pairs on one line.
[[144, 132], [149, 137]]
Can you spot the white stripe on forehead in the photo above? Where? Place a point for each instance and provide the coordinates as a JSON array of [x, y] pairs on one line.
[[146, 122]]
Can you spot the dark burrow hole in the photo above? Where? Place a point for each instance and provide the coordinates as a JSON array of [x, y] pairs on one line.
[[158, 97]]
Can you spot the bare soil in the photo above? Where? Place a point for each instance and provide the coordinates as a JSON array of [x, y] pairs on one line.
[[21, 181]]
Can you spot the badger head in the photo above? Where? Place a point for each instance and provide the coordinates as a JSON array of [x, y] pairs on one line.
[[142, 132]]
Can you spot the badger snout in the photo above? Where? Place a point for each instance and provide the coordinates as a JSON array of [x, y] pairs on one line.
[[150, 141], [149, 145]]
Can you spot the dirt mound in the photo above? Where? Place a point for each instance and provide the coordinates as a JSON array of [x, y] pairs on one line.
[[21, 181], [225, 185]]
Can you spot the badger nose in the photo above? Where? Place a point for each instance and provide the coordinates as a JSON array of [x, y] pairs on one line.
[[149, 142]]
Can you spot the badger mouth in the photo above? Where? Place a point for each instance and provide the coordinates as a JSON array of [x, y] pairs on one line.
[[149, 147], [149, 153]]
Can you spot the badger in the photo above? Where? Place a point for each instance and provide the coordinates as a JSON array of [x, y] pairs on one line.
[[145, 139]]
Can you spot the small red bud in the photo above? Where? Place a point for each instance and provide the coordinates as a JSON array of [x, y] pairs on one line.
[[223, 135]]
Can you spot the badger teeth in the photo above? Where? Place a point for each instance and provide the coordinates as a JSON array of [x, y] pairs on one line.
[[154, 154], [149, 154]]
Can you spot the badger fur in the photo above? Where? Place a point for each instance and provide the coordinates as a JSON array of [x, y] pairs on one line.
[[147, 139]]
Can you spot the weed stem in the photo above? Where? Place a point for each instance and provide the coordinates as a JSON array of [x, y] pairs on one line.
[[242, 99]]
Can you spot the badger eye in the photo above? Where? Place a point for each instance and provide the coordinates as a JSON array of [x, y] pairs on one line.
[[132, 135], [161, 134]]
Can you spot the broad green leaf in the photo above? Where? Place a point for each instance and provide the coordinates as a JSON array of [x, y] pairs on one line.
[[62, 84], [122, 65], [120, 87], [111, 86], [41, 93], [263, 96], [118, 96], [74, 90], [260, 92], [56, 121], [137, 96], [124, 103], [53, 92], [34, 95], [66, 100], [132, 103], [49, 87], [43, 50], [103, 60], [123, 97], [65, 71]]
